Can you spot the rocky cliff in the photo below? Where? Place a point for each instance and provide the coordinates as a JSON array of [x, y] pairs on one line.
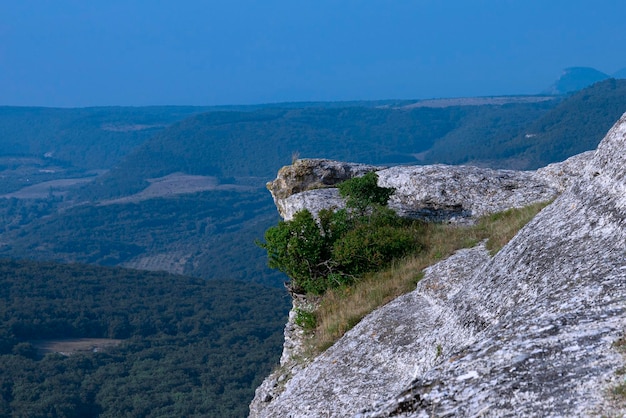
[[433, 192], [531, 331]]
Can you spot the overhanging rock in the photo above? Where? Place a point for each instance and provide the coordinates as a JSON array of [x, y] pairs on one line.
[[434, 192]]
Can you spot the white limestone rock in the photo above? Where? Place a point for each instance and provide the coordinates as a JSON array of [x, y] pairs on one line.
[[432, 192], [544, 312], [312, 175], [529, 332], [378, 356]]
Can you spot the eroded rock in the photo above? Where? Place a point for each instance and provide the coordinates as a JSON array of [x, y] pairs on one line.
[[529, 332], [545, 312], [433, 192]]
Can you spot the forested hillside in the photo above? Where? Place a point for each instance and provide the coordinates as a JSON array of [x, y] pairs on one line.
[[210, 232], [189, 347], [192, 347], [88, 138], [232, 145], [575, 125]]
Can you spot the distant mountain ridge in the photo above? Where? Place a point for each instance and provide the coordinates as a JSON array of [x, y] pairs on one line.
[[574, 79], [620, 74]]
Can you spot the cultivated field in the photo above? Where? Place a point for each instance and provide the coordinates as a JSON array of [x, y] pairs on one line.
[[74, 345]]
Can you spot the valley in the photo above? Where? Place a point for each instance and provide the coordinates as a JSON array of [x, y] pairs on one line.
[[138, 226]]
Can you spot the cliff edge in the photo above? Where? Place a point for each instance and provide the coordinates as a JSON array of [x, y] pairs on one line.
[[531, 331]]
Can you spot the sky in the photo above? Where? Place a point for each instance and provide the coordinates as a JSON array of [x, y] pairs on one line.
[[76, 53]]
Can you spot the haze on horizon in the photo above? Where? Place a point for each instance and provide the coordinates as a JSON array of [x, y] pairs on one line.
[[72, 53]]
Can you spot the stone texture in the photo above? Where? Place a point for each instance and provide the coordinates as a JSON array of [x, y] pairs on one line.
[[433, 192], [311, 174], [544, 312], [379, 352], [529, 332], [440, 192]]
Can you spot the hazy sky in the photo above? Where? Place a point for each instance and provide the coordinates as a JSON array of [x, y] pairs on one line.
[[205, 52]]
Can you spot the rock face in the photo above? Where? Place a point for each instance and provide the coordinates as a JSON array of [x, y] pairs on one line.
[[434, 192], [312, 174], [529, 332]]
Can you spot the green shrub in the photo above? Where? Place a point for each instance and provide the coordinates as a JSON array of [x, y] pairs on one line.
[[330, 252], [370, 247], [363, 192], [298, 249], [305, 319]]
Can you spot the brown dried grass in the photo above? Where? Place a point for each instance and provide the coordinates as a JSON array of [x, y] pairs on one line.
[[341, 309]]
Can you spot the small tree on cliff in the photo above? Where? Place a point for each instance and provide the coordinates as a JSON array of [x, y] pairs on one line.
[[363, 193], [329, 252]]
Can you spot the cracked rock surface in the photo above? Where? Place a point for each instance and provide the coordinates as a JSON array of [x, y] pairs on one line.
[[432, 192], [529, 332]]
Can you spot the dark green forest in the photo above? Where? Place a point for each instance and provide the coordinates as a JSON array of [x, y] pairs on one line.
[[190, 347], [215, 230], [233, 145], [576, 124], [91, 138]]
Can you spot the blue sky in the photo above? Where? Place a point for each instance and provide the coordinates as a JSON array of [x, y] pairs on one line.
[[75, 53]]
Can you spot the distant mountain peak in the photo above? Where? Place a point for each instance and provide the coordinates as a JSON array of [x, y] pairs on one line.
[[574, 79], [620, 74]]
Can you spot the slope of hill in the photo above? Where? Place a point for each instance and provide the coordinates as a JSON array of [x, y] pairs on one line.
[[48, 144], [578, 124], [255, 144], [231, 154], [479, 138], [576, 78], [575, 125], [183, 346], [87, 138], [208, 234], [211, 234]]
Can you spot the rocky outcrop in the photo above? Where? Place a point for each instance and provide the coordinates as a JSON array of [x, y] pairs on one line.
[[529, 332], [544, 313], [312, 174], [434, 192]]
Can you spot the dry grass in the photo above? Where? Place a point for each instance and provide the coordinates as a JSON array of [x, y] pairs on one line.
[[341, 309], [619, 391]]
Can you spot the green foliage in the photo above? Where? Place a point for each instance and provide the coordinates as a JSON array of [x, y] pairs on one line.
[[363, 192], [370, 247], [191, 347], [305, 319], [87, 138], [329, 253], [529, 136], [298, 249], [213, 230]]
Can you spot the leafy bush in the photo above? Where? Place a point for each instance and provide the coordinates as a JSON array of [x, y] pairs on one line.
[[330, 252], [297, 248], [369, 247], [363, 192], [305, 319]]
